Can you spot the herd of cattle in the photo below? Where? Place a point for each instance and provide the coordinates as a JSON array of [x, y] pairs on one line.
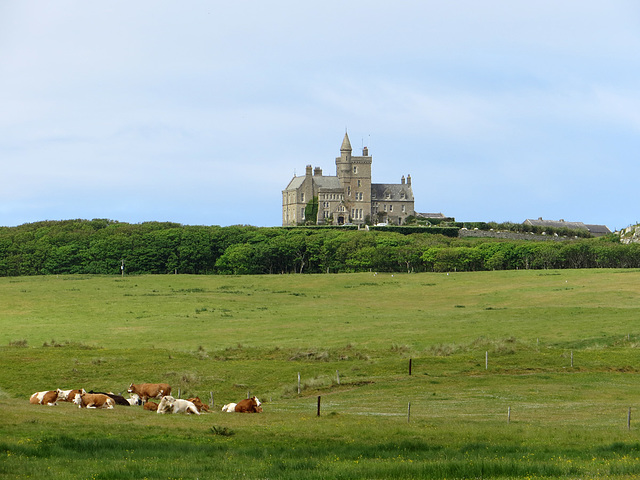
[[140, 394]]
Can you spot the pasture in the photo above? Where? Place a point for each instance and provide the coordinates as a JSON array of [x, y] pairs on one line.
[[515, 374]]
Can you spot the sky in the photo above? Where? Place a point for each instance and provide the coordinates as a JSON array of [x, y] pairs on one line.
[[201, 112]]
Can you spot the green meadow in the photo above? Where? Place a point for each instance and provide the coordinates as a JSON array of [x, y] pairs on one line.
[[514, 374]]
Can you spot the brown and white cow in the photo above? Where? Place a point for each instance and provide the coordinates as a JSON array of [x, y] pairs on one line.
[[152, 406], [249, 405], [69, 395], [118, 399], [199, 405], [48, 397], [93, 400], [150, 390]]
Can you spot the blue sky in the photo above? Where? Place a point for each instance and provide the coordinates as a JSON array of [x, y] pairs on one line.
[[200, 112]]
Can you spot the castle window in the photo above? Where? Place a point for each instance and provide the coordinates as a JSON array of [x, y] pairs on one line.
[[404, 210], [387, 195], [302, 197], [359, 183], [385, 207], [391, 208], [355, 169], [349, 190]]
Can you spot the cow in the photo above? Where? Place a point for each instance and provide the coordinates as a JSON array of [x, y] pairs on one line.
[[118, 399], [69, 395], [48, 397], [134, 399], [199, 405], [150, 390], [249, 405], [93, 400], [176, 405], [152, 406], [229, 407]]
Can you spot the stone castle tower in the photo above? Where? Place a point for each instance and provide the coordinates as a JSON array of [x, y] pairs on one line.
[[349, 197]]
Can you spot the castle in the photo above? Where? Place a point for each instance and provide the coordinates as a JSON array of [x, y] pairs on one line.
[[348, 197]]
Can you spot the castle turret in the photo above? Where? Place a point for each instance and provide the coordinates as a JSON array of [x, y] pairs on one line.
[[343, 162], [345, 149]]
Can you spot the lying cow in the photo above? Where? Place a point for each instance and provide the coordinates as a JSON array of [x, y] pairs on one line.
[[199, 405], [118, 399], [134, 399], [48, 397], [69, 395], [229, 407], [150, 390], [93, 400], [176, 405], [249, 405], [152, 406]]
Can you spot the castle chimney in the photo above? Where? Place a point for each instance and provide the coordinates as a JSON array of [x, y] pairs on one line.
[[308, 170], [402, 180], [317, 172], [365, 152], [409, 180]]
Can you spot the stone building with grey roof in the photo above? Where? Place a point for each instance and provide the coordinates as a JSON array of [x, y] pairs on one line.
[[348, 197], [594, 230]]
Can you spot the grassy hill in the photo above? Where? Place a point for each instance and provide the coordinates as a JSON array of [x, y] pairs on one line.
[[558, 350]]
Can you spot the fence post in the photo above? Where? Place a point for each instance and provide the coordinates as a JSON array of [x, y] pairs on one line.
[[509, 415], [409, 412], [298, 383], [410, 366], [338, 376], [211, 399], [318, 405], [572, 358], [486, 360], [629, 419]]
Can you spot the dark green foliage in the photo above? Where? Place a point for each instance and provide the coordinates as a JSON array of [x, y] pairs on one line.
[[311, 211], [101, 246]]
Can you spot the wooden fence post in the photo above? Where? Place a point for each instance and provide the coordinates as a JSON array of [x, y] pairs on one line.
[[572, 358], [318, 405], [629, 419], [409, 412], [509, 415], [338, 376], [298, 383], [410, 366], [211, 399], [486, 360]]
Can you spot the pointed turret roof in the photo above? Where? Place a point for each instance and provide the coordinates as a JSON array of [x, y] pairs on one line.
[[346, 144]]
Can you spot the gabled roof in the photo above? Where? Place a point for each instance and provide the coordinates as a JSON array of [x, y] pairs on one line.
[[598, 229], [378, 191], [593, 229], [556, 224], [295, 182], [332, 183]]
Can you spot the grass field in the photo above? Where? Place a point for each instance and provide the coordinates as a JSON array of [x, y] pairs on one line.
[[518, 374]]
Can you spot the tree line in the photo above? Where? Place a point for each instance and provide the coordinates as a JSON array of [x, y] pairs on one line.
[[102, 246]]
